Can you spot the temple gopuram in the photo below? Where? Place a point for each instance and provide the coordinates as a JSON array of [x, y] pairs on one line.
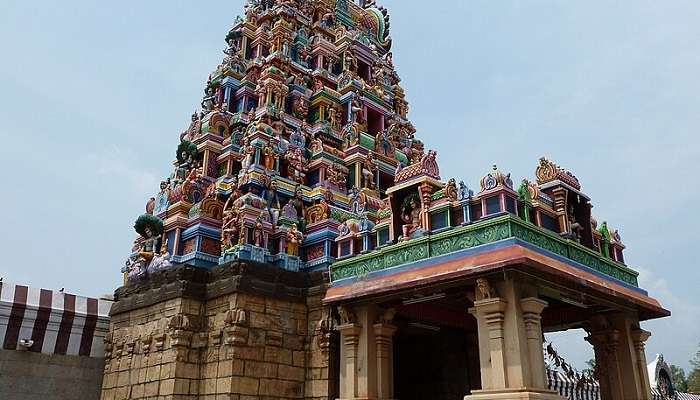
[[305, 245]]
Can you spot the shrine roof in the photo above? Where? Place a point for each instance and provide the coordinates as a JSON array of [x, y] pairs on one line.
[[499, 242]]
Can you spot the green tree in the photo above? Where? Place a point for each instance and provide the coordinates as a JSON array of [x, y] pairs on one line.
[[694, 375], [680, 382], [591, 366]]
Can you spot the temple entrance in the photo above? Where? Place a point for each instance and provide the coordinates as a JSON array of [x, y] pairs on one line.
[[432, 364], [436, 352]]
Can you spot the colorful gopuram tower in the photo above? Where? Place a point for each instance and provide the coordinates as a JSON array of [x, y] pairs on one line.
[[305, 246]]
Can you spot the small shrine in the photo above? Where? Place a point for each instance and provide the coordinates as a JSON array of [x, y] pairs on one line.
[[305, 244]]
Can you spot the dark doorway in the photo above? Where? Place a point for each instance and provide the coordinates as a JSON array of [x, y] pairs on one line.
[[434, 362]]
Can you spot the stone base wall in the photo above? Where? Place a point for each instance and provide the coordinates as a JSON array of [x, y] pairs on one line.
[[34, 376], [145, 357], [234, 333], [322, 347]]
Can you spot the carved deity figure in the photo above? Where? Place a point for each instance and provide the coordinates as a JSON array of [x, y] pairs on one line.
[[298, 202], [350, 134], [384, 142], [357, 201], [349, 62], [148, 258], [297, 165], [464, 192], [524, 194], [368, 168], [316, 145], [484, 291], [297, 138], [575, 229], [294, 240], [161, 260], [151, 205], [193, 130], [185, 161], [300, 107], [357, 111], [234, 47], [272, 202], [451, 189], [346, 316], [150, 245], [389, 59], [334, 117], [387, 316], [328, 19], [269, 157], [282, 143], [336, 176], [411, 216], [230, 230], [378, 75], [209, 99], [258, 234], [248, 152]]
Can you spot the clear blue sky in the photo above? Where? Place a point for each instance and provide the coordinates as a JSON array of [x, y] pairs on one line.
[[94, 94]]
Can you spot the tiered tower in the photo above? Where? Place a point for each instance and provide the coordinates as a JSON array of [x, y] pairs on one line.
[[303, 127], [304, 225]]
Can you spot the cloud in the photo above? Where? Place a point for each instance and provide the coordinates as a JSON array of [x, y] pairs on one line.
[[676, 337], [121, 166]]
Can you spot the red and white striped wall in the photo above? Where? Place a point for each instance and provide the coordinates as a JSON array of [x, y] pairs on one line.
[[56, 323]]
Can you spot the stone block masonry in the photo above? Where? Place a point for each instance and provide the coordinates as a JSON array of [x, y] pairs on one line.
[[240, 332]]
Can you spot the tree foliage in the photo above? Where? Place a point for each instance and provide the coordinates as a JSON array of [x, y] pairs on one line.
[[591, 365], [680, 382], [694, 375]]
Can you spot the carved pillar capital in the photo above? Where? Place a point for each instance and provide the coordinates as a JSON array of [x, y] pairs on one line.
[[639, 338], [350, 333], [384, 330], [613, 342], [605, 341], [532, 314], [493, 312]]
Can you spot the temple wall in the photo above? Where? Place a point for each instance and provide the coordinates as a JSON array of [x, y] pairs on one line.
[[322, 379], [241, 341], [27, 375]]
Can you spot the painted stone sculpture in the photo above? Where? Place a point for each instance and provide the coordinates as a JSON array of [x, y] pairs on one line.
[[148, 258]]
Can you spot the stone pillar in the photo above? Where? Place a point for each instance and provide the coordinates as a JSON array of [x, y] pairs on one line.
[[244, 47], [532, 309], [466, 212], [616, 381], [560, 202], [639, 337], [350, 339], [358, 175], [490, 314], [510, 343], [599, 343], [367, 353], [619, 350], [383, 336]]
